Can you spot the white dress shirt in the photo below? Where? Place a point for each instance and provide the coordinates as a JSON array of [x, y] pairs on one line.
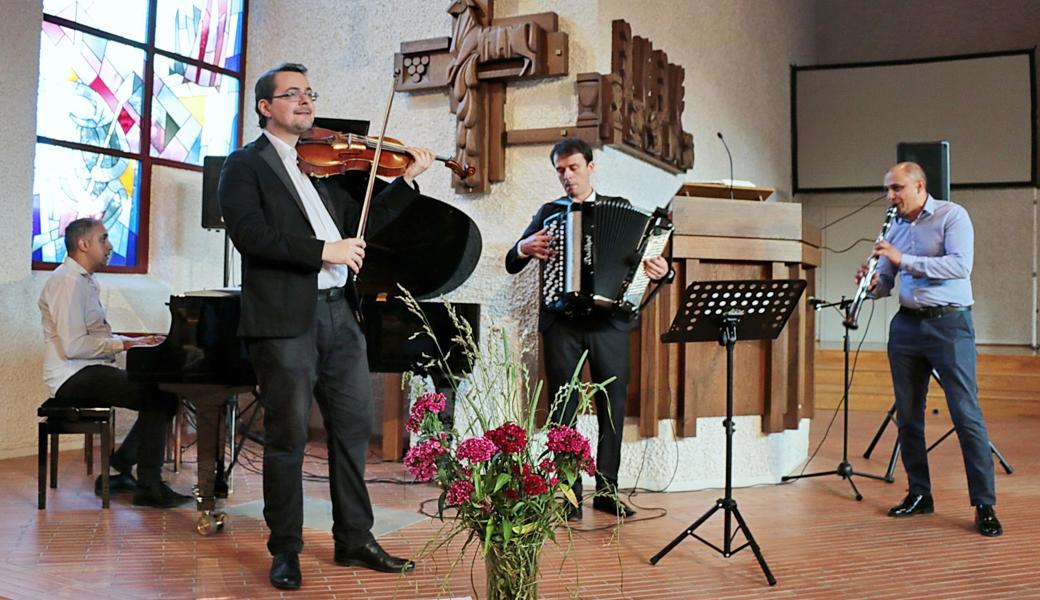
[[331, 275], [75, 332]]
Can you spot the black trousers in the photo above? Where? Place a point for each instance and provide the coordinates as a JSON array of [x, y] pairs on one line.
[[328, 362], [144, 445], [564, 342]]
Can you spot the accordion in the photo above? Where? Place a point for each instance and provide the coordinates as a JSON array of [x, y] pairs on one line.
[[597, 253]]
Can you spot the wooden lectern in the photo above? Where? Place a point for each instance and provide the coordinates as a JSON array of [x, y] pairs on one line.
[[717, 239]]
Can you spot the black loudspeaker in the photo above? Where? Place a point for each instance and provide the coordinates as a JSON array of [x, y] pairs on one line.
[[211, 218], [934, 158]]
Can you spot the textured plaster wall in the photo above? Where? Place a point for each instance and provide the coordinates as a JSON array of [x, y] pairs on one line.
[[1004, 220]]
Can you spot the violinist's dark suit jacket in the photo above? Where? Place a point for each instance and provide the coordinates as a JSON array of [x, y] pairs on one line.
[[304, 344]]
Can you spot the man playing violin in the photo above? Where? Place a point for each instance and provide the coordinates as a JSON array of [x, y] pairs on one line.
[[300, 320]]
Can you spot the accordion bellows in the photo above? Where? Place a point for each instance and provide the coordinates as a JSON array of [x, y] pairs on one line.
[[598, 249]]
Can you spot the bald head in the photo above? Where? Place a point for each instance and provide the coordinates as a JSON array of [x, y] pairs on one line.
[[907, 190]]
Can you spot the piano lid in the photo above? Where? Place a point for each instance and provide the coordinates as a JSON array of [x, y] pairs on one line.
[[430, 250]]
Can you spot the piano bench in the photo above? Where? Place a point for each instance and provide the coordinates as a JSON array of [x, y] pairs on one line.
[[60, 418]]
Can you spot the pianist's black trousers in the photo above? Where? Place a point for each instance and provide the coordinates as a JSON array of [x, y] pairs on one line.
[[328, 362], [144, 445], [564, 342]]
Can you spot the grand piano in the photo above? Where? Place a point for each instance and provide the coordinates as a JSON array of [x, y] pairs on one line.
[[429, 250]]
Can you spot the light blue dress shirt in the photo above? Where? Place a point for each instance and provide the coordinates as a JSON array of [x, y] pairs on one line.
[[938, 249]]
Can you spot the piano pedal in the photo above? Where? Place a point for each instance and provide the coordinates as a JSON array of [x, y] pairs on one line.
[[210, 523]]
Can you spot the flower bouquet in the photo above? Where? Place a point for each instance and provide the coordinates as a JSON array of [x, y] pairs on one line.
[[508, 486]]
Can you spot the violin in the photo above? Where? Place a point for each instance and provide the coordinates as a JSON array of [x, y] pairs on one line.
[[324, 152]]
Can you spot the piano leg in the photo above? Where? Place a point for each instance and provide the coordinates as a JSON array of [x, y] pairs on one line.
[[209, 418]]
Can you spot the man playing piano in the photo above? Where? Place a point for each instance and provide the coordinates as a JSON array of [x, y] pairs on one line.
[[566, 337], [79, 365], [299, 319]]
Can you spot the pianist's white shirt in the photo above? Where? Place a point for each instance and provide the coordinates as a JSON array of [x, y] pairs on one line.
[[75, 331]]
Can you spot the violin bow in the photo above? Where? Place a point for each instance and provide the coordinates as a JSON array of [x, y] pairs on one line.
[[375, 164]]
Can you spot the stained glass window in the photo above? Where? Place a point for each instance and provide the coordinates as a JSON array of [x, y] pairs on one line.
[[117, 95], [125, 18], [209, 31], [90, 89], [184, 100], [72, 184]]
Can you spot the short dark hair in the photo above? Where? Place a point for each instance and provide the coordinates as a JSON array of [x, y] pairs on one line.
[[568, 146], [264, 88], [77, 230]]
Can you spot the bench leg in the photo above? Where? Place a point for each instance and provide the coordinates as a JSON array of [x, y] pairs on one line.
[[106, 451], [41, 458], [88, 452], [54, 461]]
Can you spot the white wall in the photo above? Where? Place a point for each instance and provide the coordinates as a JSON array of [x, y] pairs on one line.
[[1002, 280]]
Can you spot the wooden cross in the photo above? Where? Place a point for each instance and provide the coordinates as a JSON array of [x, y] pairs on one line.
[[475, 63]]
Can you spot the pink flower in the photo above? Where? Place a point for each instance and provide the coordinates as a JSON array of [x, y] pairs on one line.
[[547, 465], [590, 467], [476, 450], [421, 459], [459, 492], [509, 437], [429, 402], [566, 440]]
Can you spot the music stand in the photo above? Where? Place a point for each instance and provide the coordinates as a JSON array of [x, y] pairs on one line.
[[711, 312], [890, 418]]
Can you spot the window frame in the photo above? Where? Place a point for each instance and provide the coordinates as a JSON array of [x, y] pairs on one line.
[[144, 154]]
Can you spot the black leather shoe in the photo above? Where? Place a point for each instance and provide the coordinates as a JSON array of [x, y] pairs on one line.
[[573, 513], [285, 571], [124, 482], [986, 521], [372, 556], [913, 504], [159, 495], [612, 506]]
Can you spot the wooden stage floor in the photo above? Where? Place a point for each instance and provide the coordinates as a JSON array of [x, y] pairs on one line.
[[818, 541]]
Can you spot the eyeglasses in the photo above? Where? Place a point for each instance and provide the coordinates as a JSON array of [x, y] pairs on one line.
[[294, 95]]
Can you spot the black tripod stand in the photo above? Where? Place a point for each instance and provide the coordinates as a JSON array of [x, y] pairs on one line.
[[890, 417], [844, 468], [711, 311]]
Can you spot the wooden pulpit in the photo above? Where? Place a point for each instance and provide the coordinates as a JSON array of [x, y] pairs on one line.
[[718, 238]]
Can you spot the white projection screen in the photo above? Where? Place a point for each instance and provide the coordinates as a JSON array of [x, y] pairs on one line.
[[847, 119]]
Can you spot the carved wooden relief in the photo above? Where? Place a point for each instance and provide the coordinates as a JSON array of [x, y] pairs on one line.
[[637, 108], [474, 64]]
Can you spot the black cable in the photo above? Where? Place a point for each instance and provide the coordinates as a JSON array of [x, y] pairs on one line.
[[840, 219], [844, 394], [850, 247]]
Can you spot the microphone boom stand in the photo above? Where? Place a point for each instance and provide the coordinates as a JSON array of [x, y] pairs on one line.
[[844, 468]]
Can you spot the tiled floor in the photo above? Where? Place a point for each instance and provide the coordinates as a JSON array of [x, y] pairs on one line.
[[818, 541]]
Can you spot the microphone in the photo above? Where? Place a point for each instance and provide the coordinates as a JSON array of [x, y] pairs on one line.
[[730, 155], [814, 303]]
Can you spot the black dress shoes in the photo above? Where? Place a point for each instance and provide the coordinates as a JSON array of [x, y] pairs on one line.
[[158, 495], [372, 556], [986, 521], [573, 513], [913, 504], [612, 506], [285, 571], [123, 482]]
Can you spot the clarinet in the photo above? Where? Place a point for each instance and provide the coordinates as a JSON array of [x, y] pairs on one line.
[[852, 317]]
